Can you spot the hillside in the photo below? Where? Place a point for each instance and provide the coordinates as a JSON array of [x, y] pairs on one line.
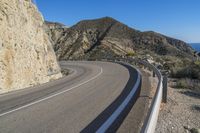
[[106, 37], [26, 55]]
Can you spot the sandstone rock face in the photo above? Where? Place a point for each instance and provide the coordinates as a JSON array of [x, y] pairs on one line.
[[26, 55]]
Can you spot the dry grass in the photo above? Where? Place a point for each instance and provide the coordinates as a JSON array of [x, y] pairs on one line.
[[187, 83]]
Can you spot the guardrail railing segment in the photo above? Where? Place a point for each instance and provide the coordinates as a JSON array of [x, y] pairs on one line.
[[152, 116]]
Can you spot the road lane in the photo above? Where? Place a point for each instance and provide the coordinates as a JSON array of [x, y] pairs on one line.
[[72, 111], [13, 100]]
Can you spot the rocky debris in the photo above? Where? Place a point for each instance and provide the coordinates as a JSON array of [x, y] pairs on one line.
[[65, 72], [106, 37], [26, 55], [181, 113]]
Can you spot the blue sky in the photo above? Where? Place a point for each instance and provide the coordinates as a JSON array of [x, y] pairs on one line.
[[176, 18]]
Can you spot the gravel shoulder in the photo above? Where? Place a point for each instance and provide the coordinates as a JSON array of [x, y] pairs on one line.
[[182, 112]]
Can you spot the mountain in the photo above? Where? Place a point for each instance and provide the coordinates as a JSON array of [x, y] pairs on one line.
[[26, 54], [107, 37]]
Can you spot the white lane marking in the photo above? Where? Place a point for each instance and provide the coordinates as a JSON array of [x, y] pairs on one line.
[[51, 96], [117, 112]]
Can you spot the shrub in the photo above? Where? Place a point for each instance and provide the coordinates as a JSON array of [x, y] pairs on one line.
[[181, 84], [188, 71], [197, 63], [130, 53], [187, 84]]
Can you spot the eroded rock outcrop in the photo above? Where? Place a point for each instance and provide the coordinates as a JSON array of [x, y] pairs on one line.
[[26, 55]]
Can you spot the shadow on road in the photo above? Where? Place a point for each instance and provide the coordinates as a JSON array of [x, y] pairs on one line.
[[101, 118]]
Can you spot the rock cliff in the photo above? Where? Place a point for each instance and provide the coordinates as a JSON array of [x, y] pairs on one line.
[[26, 55]]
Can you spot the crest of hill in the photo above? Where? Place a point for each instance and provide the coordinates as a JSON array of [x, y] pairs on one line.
[[112, 27]]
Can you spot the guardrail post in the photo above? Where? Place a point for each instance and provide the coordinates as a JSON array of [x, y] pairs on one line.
[[154, 74], [164, 97]]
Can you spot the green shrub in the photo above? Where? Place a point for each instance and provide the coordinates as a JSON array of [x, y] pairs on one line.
[[130, 53], [197, 63]]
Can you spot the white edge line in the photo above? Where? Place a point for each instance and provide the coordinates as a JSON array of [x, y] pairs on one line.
[[117, 112], [46, 98]]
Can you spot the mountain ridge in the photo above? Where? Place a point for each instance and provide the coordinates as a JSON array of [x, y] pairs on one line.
[[88, 38]]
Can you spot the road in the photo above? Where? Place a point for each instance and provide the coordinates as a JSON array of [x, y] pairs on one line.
[[87, 100]]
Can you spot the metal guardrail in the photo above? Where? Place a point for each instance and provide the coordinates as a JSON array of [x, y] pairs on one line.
[[152, 116]]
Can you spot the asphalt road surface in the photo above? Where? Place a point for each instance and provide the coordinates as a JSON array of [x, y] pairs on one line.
[[84, 101]]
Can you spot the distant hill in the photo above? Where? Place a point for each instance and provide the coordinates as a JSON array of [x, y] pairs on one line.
[[107, 37]]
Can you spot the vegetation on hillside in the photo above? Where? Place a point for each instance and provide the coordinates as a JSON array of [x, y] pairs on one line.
[[185, 70]]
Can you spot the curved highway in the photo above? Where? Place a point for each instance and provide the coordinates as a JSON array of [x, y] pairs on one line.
[[93, 98]]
